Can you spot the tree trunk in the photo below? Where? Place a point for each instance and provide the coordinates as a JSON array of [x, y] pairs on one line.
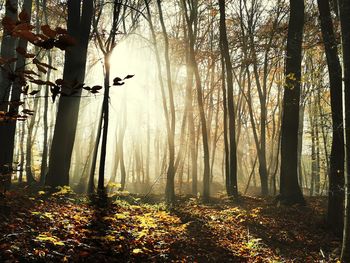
[[344, 10], [78, 25], [290, 192], [8, 46], [44, 165], [205, 141], [336, 173], [232, 182], [105, 116]]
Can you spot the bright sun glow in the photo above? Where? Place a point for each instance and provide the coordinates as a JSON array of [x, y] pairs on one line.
[[139, 97]]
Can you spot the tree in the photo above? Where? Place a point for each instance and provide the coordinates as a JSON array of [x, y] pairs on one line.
[[344, 11], [232, 189], [8, 47], [290, 192], [170, 184], [336, 173], [191, 9], [78, 26]]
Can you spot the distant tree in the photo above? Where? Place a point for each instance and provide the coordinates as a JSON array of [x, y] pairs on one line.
[[44, 160], [191, 10], [106, 42], [170, 182], [290, 192]]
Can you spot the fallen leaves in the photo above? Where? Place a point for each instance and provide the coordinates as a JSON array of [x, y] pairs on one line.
[[46, 237], [64, 227]]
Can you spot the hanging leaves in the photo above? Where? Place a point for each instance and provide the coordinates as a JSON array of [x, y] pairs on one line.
[[96, 88], [61, 31], [117, 82], [129, 76], [37, 62], [24, 17], [23, 27], [8, 23], [23, 52], [47, 44], [28, 112], [41, 69], [27, 35], [34, 92], [64, 41], [55, 90], [48, 31]]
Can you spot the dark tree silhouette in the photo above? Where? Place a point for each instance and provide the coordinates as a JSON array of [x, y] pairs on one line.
[[290, 192], [336, 173], [78, 26]]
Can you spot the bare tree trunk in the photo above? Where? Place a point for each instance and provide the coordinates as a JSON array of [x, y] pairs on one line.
[[233, 189], [192, 39], [290, 192], [344, 10], [8, 46], [105, 116], [79, 23], [44, 160], [336, 173]]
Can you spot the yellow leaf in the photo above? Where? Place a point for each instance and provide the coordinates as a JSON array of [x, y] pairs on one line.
[[120, 216], [36, 213], [108, 218], [58, 243], [48, 215], [109, 238], [137, 251]]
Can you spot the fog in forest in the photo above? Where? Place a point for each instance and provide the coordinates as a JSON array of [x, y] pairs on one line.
[[190, 117]]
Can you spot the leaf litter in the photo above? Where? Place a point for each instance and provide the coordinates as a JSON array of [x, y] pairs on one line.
[[66, 227]]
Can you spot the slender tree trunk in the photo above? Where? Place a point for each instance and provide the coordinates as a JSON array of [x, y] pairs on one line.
[[205, 140], [44, 160], [344, 10], [91, 183], [215, 137], [21, 145], [105, 116], [29, 144], [313, 151], [300, 143], [233, 189], [317, 164], [170, 122], [170, 184]]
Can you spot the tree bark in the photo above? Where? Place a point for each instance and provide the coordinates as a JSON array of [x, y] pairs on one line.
[[232, 182], [290, 192], [344, 11], [78, 25], [336, 173], [8, 46]]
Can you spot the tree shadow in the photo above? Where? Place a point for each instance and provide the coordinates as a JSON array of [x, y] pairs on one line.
[[101, 246], [294, 231], [199, 244]]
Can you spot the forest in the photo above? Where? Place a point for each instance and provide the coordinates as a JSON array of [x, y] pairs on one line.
[[174, 131]]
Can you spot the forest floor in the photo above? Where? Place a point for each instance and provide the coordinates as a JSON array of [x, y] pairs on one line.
[[65, 227]]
